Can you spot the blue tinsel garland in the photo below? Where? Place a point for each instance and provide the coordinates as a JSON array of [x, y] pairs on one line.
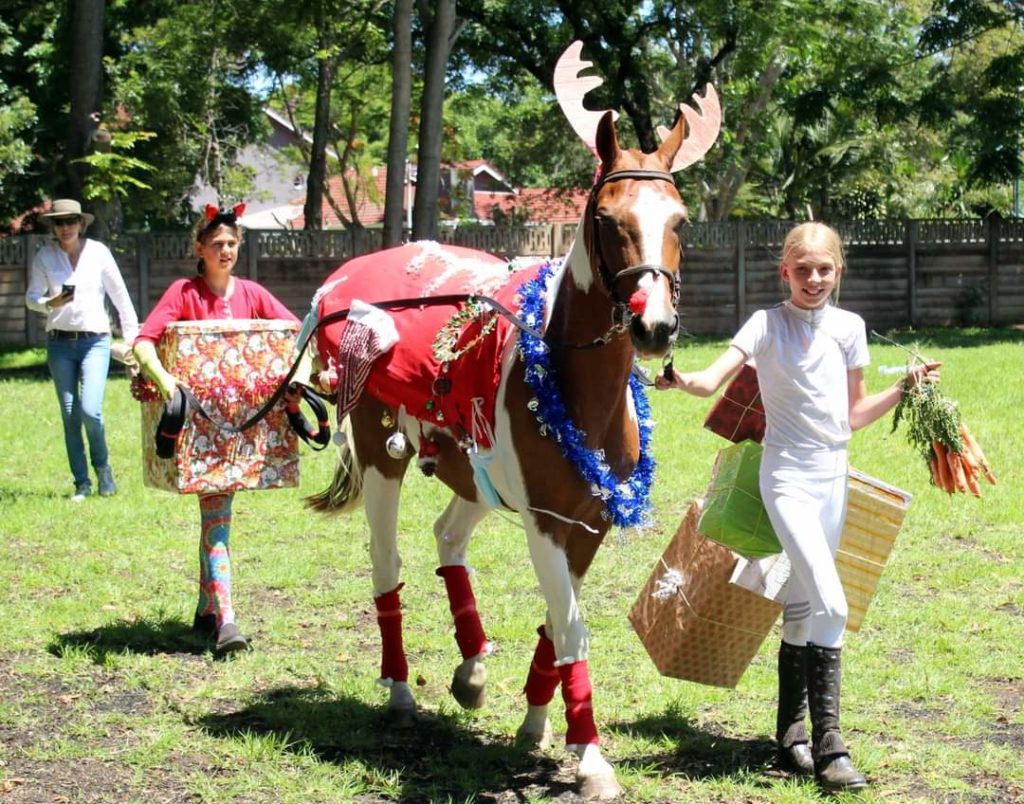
[[627, 503]]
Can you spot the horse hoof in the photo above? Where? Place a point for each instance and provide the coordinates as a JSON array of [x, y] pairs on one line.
[[540, 740], [469, 682], [604, 787]]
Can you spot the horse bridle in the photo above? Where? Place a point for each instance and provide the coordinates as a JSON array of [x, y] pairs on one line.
[[621, 313]]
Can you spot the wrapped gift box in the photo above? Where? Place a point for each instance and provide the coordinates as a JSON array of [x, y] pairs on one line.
[[738, 414], [734, 515], [232, 367], [874, 516], [693, 622]]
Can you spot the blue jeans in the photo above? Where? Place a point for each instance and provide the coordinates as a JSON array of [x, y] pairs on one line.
[[79, 369]]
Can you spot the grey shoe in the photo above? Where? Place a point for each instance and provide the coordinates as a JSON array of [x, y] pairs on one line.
[[82, 490], [229, 640], [107, 485]]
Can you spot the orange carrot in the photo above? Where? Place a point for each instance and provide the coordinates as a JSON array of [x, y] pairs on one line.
[[942, 464], [956, 468], [971, 444], [971, 477]]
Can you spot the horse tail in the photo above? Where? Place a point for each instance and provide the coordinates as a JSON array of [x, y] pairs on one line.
[[346, 489]]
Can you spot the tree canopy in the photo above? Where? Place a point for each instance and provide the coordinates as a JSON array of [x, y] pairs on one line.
[[831, 108]]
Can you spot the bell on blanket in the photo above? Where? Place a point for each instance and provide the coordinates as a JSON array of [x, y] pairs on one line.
[[397, 445]]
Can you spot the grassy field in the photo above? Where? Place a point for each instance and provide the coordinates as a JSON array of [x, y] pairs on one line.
[[104, 696]]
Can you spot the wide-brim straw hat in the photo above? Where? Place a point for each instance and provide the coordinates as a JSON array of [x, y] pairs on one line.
[[65, 208]]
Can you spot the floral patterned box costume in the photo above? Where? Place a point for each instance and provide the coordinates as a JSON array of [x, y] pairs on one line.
[[232, 367]]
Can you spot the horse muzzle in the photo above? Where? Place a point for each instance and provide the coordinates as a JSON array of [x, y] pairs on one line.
[[654, 341]]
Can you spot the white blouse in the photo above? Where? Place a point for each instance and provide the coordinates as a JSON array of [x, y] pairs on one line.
[[95, 276]]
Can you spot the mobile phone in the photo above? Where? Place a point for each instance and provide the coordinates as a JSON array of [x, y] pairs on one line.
[[68, 290]]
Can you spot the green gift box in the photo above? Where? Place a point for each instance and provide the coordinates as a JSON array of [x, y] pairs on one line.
[[734, 515]]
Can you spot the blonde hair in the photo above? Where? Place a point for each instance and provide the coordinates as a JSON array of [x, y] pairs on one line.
[[813, 234]]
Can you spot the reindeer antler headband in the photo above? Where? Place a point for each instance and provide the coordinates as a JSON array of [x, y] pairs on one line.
[[702, 123]]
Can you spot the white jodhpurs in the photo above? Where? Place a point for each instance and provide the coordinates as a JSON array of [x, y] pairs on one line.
[[804, 492]]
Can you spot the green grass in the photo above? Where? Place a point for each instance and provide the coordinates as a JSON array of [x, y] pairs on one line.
[[104, 696]]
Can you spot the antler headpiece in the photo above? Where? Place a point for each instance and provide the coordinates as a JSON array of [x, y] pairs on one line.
[[702, 123]]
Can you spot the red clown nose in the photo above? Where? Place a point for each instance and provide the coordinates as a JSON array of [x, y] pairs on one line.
[[638, 302]]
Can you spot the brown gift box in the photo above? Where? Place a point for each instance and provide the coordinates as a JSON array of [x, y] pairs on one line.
[[738, 414], [694, 623]]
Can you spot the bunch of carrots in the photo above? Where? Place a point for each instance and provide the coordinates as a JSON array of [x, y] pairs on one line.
[[935, 428]]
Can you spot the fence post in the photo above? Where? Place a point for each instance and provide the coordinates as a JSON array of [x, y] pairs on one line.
[[992, 258], [142, 251], [252, 254], [31, 316], [911, 241], [741, 273]]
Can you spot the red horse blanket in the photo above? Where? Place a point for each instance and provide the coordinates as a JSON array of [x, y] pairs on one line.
[[441, 361]]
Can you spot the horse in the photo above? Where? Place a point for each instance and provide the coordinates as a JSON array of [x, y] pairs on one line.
[[514, 384]]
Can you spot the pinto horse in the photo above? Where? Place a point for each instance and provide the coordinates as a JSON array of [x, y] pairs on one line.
[[513, 383]]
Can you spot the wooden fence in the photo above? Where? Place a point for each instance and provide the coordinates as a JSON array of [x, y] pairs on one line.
[[900, 273]]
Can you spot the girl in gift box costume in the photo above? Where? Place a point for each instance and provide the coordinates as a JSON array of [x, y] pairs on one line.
[[213, 293], [810, 359]]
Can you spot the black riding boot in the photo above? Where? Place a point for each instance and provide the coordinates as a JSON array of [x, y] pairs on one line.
[[790, 726], [832, 766]]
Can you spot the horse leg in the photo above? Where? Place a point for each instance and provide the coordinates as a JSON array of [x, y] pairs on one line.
[[594, 775], [452, 531], [381, 496], [540, 688]]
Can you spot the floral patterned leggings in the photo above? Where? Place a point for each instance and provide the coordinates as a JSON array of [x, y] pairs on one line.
[[215, 558]]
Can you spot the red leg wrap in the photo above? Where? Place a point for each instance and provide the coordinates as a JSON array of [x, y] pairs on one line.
[[543, 679], [579, 711], [469, 633], [389, 619]]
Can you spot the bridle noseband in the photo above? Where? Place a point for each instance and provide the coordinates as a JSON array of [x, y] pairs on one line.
[[621, 313]]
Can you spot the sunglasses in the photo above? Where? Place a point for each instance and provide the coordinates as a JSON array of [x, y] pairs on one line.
[[66, 221]]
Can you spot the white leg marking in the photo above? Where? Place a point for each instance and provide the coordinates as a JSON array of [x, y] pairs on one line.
[[551, 566], [380, 499]]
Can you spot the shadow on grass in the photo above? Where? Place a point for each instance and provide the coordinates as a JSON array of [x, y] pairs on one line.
[[436, 759], [148, 637], [700, 753]]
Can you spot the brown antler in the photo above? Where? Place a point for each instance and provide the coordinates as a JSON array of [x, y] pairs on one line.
[[701, 128], [571, 86]]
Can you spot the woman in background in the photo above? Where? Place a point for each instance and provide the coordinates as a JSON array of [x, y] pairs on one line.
[[69, 281]]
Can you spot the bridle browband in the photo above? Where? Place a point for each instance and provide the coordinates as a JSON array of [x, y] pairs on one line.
[[621, 313]]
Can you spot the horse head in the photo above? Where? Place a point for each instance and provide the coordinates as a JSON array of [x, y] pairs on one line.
[[632, 226]]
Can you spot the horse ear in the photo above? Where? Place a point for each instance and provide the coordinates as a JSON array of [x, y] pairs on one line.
[[606, 139], [702, 127]]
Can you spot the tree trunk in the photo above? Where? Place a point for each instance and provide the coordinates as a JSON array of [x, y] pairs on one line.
[[440, 34], [395, 197], [86, 89], [312, 211]]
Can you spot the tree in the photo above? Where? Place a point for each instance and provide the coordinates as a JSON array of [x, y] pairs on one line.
[[442, 29], [398, 135], [86, 86]]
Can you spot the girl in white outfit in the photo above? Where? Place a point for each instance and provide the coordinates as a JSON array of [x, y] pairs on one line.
[[810, 358]]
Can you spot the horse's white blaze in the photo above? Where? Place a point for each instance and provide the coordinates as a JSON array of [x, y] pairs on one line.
[[654, 211], [381, 496]]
